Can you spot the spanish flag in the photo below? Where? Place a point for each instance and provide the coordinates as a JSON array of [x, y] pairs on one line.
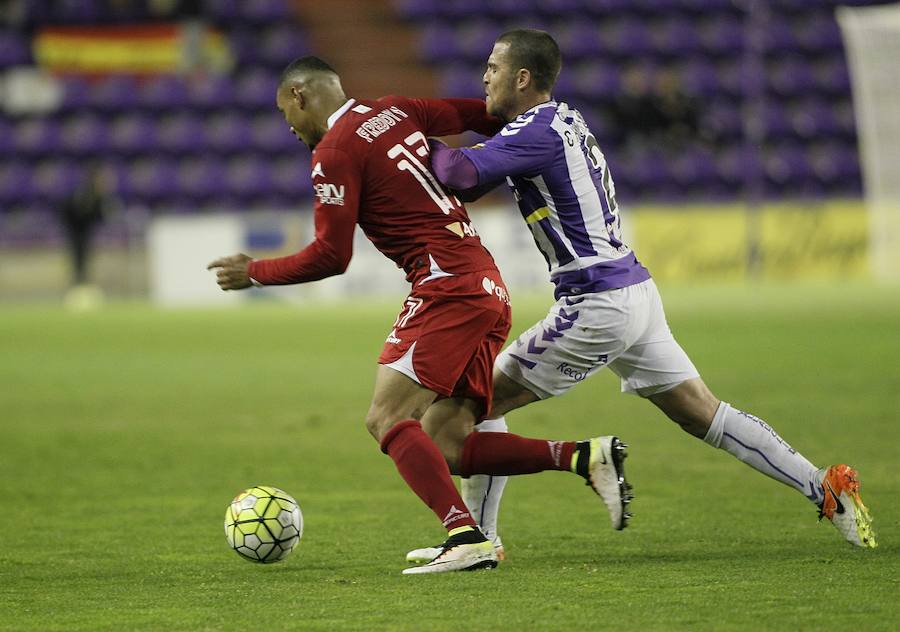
[[140, 49]]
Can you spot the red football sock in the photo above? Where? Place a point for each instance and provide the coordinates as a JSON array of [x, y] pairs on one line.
[[424, 469], [506, 454]]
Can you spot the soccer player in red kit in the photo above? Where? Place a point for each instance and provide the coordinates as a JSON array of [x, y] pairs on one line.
[[370, 167]]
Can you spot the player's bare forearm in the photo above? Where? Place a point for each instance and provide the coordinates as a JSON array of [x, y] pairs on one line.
[[231, 272]]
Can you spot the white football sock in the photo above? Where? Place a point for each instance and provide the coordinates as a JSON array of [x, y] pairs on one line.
[[481, 492], [754, 442]]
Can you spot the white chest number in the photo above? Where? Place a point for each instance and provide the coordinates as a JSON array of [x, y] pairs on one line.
[[414, 148]]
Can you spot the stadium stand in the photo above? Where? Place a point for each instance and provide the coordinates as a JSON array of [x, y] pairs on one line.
[[174, 142], [801, 100], [188, 142]]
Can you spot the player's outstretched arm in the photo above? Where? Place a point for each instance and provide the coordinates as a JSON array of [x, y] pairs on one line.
[[444, 117], [232, 271], [456, 171]]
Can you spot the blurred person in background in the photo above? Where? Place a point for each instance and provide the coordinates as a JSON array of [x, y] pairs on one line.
[[608, 311], [652, 109], [81, 214]]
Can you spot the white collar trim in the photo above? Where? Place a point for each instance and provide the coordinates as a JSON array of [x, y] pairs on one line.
[[338, 113]]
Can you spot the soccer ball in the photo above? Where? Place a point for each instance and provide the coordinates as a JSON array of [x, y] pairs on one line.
[[263, 524]]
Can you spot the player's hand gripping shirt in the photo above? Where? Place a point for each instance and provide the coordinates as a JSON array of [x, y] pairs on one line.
[[371, 168], [566, 195]]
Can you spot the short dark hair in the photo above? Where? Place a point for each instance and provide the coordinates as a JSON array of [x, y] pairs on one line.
[[536, 51], [303, 66]]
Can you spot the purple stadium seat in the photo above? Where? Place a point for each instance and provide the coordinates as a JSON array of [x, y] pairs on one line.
[[116, 92], [147, 179], [646, 169], [706, 7], [730, 78], [792, 76], [722, 35], [248, 177], [14, 49], [475, 41], [164, 93], [290, 176], [694, 167], [842, 110], [36, 137], [228, 132], [698, 77], [15, 183], [461, 9], [83, 12], [607, 9], [6, 136], [211, 92], [818, 33], [270, 132], [787, 164], [773, 118], [830, 164], [722, 118], [676, 37], [507, 9], [200, 177], [438, 43], [224, 11], [132, 134], [37, 11], [580, 39], [118, 179], [628, 38], [736, 163], [256, 89], [181, 133], [265, 11], [55, 180], [84, 135], [780, 37], [76, 93], [461, 81], [597, 81], [813, 119], [832, 76], [418, 10], [557, 8], [279, 45], [244, 42]]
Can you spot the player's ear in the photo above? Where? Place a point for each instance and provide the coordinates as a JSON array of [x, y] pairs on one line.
[[523, 79], [299, 97]]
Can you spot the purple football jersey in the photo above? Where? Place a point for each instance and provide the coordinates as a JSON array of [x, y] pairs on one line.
[[566, 195]]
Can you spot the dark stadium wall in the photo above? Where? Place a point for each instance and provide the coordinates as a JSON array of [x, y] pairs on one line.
[[369, 45]]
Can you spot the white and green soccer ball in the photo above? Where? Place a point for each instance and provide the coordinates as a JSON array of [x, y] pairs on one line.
[[263, 524]]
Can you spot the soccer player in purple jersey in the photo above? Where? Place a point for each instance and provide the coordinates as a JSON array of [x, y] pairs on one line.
[[608, 312]]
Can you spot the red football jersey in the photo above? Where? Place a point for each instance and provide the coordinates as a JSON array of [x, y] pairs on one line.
[[372, 168]]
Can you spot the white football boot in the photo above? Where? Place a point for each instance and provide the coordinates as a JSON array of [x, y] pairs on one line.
[[844, 506], [602, 467], [466, 551], [428, 553]]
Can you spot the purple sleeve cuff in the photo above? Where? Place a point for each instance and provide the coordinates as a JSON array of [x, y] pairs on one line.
[[452, 167]]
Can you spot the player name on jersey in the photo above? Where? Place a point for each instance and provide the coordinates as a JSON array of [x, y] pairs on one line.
[[380, 123]]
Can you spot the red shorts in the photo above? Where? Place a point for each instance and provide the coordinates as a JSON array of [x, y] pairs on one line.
[[449, 332]]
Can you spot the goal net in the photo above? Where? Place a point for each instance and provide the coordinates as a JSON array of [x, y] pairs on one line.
[[872, 38]]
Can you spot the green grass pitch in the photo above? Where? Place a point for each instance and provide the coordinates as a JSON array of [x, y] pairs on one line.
[[125, 432]]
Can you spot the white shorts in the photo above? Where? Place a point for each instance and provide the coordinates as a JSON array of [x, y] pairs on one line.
[[623, 329]]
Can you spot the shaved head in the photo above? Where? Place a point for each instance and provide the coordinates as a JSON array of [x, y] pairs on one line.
[[303, 68], [308, 92]]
